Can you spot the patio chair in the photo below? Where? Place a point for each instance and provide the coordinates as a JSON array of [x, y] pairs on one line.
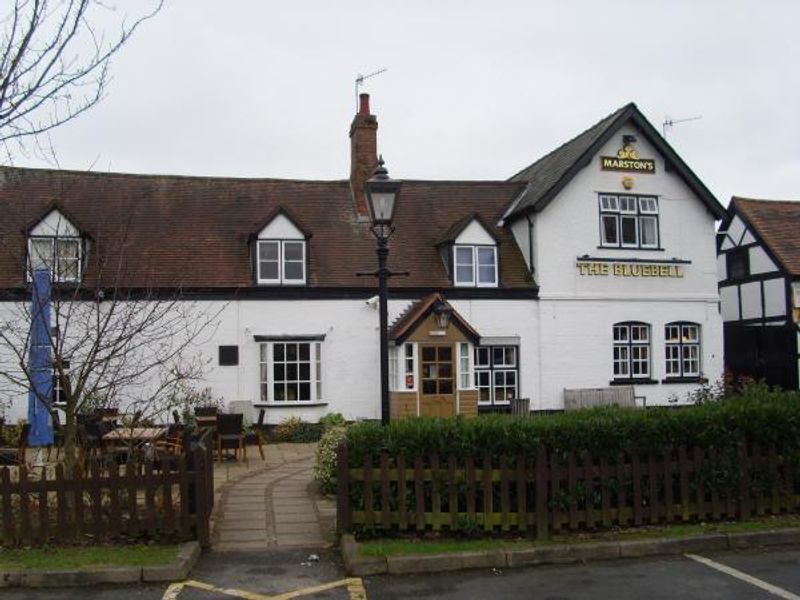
[[206, 416], [230, 434], [16, 456]]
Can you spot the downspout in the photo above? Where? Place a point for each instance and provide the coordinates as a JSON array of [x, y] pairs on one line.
[[530, 243]]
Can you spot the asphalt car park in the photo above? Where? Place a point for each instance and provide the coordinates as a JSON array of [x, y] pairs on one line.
[[294, 573]]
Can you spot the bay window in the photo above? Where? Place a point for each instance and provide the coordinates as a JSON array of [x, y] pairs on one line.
[[291, 371]]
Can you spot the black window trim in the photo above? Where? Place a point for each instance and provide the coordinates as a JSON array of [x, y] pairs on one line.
[[491, 370]]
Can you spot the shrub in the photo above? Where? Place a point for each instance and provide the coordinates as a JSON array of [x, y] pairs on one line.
[[757, 414], [331, 420], [292, 429], [325, 461]]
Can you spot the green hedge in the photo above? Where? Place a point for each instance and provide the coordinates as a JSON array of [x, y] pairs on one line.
[[758, 415]]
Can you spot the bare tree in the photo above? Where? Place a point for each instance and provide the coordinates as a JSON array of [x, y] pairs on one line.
[[54, 63], [113, 345]]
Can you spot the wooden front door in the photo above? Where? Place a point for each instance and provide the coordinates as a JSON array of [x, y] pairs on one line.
[[437, 374]]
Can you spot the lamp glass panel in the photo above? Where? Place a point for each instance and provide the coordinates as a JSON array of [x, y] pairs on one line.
[[382, 206]]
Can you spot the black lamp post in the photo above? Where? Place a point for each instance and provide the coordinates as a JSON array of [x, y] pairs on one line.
[[382, 193]]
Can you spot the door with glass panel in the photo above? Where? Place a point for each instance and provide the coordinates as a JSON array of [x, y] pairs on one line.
[[437, 377]]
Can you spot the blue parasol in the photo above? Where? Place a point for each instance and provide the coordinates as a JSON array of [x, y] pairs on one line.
[[40, 363]]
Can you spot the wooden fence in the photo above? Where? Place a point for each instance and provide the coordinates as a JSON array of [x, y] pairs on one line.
[[171, 499], [565, 492]]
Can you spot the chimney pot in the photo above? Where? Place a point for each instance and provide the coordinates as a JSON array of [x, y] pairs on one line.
[[363, 106]]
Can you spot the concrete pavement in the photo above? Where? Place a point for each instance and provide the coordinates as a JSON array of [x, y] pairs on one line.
[[272, 504]]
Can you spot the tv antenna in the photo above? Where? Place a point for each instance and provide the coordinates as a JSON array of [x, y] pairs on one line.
[[360, 80], [668, 122]]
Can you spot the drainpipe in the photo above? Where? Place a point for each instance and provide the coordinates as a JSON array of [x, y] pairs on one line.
[[530, 242]]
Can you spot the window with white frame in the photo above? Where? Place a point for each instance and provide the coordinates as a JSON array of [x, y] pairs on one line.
[[475, 266], [682, 349], [402, 367], [59, 255], [465, 380], [631, 350], [281, 261], [629, 221], [291, 371], [496, 374]]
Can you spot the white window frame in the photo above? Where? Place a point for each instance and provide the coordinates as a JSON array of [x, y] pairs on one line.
[[267, 378], [402, 364], [641, 209], [474, 281], [492, 369], [53, 262], [281, 245], [628, 350], [681, 349], [466, 380]]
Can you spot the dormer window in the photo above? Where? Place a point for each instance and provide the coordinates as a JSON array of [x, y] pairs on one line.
[[474, 253], [55, 244], [282, 261], [280, 252], [475, 265]]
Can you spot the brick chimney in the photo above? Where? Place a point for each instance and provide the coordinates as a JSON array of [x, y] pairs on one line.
[[363, 152]]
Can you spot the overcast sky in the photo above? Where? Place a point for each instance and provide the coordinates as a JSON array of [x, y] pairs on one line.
[[474, 90]]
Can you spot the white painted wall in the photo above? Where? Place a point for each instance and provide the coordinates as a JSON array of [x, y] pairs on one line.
[[569, 227], [350, 352], [280, 228], [577, 345], [760, 262], [751, 300], [729, 302], [774, 297], [474, 233], [55, 224]]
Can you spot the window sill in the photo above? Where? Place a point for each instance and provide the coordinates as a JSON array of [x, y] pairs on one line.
[[296, 404], [629, 248], [669, 380], [633, 381]]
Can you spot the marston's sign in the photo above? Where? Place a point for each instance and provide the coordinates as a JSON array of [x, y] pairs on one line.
[[623, 269], [628, 160]]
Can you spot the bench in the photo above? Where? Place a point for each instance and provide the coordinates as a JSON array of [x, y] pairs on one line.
[[620, 395]]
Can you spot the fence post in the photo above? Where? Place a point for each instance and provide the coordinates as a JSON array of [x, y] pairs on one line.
[[541, 494], [202, 509], [343, 516]]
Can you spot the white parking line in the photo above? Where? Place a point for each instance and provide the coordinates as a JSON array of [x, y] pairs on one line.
[[767, 587]]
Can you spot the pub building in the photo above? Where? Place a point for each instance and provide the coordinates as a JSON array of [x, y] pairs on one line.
[[593, 267]]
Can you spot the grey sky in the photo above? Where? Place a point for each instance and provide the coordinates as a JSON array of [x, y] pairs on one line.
[[474, 90]]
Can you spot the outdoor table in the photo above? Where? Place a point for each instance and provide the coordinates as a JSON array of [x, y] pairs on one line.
[[135, 434]]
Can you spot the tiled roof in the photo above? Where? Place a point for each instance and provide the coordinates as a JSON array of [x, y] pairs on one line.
[[408, 321], [776, 222], [547, 176], [193, 231]]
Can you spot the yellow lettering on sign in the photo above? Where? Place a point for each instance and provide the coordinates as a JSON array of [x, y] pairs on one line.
[[622, 269]]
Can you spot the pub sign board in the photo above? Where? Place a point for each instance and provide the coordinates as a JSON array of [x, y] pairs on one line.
[[628, 159]]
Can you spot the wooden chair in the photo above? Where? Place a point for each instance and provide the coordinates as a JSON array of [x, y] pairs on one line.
[[16, 456], [230, 434]]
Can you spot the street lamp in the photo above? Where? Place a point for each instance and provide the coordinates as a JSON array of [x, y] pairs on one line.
[[382, 193]]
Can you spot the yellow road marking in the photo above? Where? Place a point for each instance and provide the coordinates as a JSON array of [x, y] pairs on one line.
[[354, 585]]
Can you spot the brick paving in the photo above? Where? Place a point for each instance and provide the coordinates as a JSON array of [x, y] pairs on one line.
[[271, 503]]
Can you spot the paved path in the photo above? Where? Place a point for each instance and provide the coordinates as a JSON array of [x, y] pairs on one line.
[[274, 504]]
